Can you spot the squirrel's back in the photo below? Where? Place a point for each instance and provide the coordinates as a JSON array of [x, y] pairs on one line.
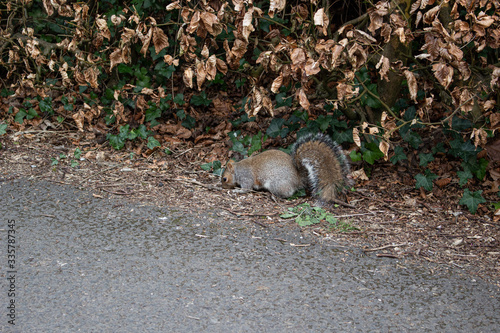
[[321, 161], [272, 170]]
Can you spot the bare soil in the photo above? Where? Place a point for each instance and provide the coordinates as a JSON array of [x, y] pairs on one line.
[[393, 218]]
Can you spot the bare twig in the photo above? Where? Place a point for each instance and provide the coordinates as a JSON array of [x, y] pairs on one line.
[[384, 247]]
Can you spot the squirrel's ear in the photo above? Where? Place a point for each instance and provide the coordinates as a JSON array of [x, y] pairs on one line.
[[230, 165]]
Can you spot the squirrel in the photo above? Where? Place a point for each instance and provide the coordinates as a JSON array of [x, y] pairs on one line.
[[316, 163]]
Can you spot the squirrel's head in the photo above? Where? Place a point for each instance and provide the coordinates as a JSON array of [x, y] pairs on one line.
[[227, 178]]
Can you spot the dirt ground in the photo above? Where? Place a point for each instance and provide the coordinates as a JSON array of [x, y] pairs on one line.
[[393, 218]]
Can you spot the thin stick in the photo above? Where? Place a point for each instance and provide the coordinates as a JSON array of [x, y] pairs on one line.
[[98, 173], [385, 247]]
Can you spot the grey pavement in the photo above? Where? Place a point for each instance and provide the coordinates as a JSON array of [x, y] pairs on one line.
[[85, 264]]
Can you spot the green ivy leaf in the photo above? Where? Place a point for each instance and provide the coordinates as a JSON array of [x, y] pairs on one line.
[[425, 181], [46, 105], [3, 128], [179, 99], [201, 99], [355, 156], [189, 122], [152, 143], [19, 118], [464, 176], [324, 122], [283, 100], [472, 200], [124, 69], [343, 136], [481, 171], [152, 113], [463, 150], [276, 128], [399, 155], [425, 159], [369, 100], [116, 141], [412, 138], [372, 153], [142, 131], [255, 143], [77, 154]]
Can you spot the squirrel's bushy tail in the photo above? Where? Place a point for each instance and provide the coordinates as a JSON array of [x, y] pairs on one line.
[[321, 161]]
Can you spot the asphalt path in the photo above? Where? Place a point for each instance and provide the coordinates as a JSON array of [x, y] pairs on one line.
[[87, 264]]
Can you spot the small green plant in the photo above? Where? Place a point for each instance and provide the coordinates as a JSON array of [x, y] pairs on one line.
[[305, 214], [248, 144], [215, 167], [152, 142], [46, 105], [201, 99], [117, 141], [187, 121], [472, 200], [68, 105], [25, 114], [3, 128], [77, 155], [425, 181]]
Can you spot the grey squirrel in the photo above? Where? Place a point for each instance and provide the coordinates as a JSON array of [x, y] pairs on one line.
[[316, 163]]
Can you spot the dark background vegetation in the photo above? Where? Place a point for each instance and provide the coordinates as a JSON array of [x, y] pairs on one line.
[[406, 85]]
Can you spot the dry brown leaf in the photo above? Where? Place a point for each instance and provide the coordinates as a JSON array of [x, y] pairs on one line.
[[494, 120], [275, 87], [384, 65], [183, 133], [357, 55], [355, 136], [238, 5], [201, 74], [160, 40], [442, 182], [276, 6], [303, 101], [221, 66], [384, 148], [119, 112], [256, 102], [103, 27], [173, 5], [194, 24], [363, 37], [91, 74], [431, 14], [298, 56], [247, 24], [79, 119], [443, 73], [412, 84], [495, 77], [480, 136], [377, 14], [267, 104], [321, 20], [146, 39], [312, 67], [211, 68], [211, 23], [47, 5], [204, 52]]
